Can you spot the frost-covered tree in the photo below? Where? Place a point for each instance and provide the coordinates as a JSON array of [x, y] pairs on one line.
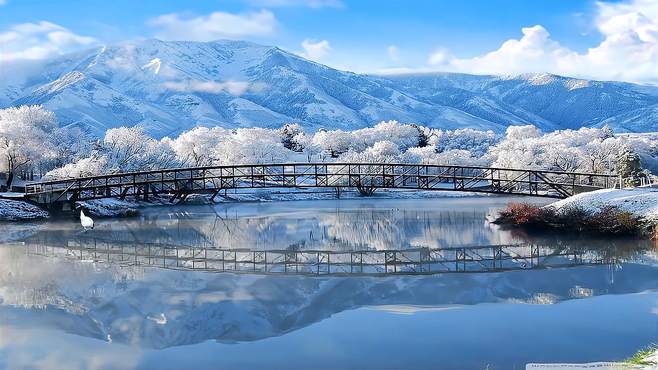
[[251, 145], [197, 147], [334, 142], [381, 152], [629, 167], [130, 149], [423, 135], [290, 136], [607, 132], [404, 136], [90, 166], [476, 141], [27, 137], [122, 149]]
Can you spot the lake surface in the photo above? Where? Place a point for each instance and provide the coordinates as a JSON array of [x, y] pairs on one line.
[[62, 310]]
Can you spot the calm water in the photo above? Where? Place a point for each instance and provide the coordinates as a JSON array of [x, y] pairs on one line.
[[60, 312]]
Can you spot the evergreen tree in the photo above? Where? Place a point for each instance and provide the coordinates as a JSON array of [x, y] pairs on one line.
[[423, 139], [628, 167], [288, 133], [607, 132]]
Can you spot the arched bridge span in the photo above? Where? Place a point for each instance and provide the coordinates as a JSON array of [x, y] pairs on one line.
[[178, 183]]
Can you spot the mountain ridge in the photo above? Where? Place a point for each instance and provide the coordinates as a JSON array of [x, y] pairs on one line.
[[169, 87]]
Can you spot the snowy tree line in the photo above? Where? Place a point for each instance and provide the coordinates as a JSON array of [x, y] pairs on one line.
[[33, 145]]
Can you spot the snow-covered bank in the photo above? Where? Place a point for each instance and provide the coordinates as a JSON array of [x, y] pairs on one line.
[[283, 194], [110, 207], [123, 208], [632, 211], [16, 210], [646, 359], [641, 202]]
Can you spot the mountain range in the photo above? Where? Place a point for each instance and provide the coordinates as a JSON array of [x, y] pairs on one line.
[[169, 87]]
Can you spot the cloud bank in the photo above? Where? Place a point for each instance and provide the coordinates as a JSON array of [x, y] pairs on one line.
[[628, 52], [315, 50], [298, 3], [216, 25], [31, 41], [235, 88]]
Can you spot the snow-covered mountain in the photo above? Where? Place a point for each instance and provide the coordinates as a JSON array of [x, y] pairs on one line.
[[168, 87]]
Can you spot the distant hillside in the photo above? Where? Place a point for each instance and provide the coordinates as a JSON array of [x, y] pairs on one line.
[[169, 87]]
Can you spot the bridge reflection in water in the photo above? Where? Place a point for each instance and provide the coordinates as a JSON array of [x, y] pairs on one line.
[[414, 261]]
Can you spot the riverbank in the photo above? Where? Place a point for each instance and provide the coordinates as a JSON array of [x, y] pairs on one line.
[[640, 202], [632, 211], [17, 210], [112, 207], [646, 359]]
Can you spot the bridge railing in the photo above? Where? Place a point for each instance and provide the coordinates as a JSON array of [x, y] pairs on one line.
[[376, 175]]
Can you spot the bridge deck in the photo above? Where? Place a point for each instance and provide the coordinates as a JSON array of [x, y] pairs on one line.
[[180, 182]]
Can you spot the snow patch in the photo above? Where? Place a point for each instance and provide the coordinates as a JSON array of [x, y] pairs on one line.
[[153, 65], [109, 207], [15, 210], [642, 202]]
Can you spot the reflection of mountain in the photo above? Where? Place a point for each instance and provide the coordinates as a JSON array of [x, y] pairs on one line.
[[377, 224], [161, 308]]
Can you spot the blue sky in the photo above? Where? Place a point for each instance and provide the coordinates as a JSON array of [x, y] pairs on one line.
[[363, 36]]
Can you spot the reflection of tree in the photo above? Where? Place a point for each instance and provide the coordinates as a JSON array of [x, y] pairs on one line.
[[607, 248]]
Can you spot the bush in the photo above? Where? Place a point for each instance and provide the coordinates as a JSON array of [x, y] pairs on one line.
[[523, 214], [610, 220]]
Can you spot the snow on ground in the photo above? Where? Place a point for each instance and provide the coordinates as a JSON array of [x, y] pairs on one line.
[[652, 360], [14, 210], [109, 207], [11, 195], [283, 194], [642, 202]]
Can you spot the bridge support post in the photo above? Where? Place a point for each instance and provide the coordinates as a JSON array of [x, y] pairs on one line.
[[214, 194], [124, 192]]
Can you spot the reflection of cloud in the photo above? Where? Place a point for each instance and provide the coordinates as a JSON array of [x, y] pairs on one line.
[[48, 350], [410, 309]]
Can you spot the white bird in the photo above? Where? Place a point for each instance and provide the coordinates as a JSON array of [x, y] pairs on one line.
[[87, 222]]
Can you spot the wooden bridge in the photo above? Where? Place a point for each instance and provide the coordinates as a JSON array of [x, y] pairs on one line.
[[178, 183], [413, 261]]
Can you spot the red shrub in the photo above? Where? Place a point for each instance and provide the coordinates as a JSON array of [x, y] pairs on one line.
[[523, 214]]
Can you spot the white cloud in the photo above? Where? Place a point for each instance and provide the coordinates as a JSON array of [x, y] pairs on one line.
[[214, 26], [300, 3], [235, 88], [315, 50], [628, 52], [39, 40], [393, 53]]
